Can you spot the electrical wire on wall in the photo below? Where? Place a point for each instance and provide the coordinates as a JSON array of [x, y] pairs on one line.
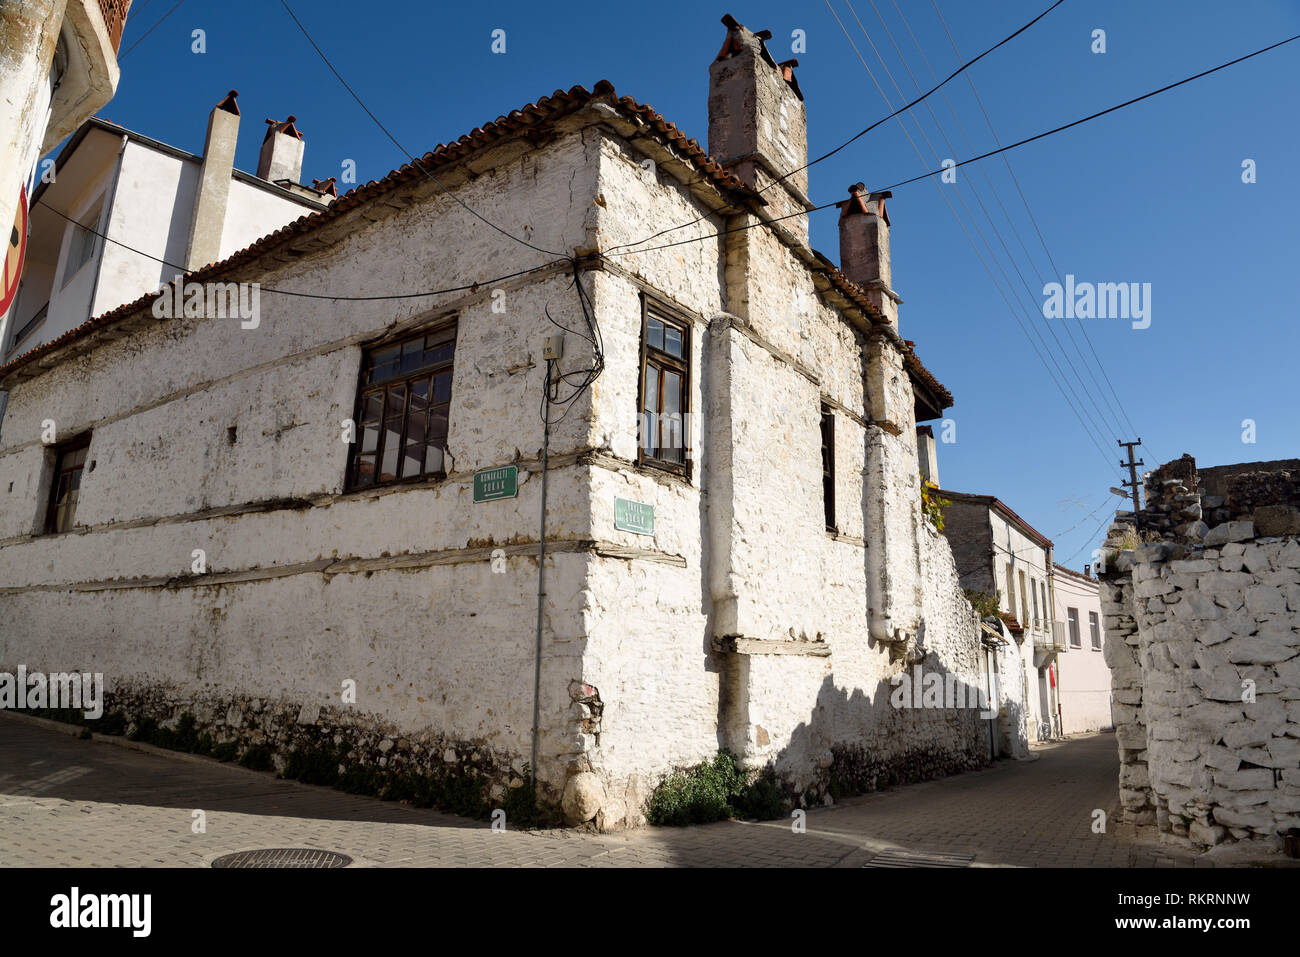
[[578, 382]]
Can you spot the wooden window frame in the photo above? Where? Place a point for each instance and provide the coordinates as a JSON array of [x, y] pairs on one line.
[[828, 466], [1094, 630], [78, 444], [364, 389], [653, 308]]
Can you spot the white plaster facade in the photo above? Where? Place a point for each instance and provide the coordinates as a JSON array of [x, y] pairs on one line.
[[141, 194], [1082, 674], [741, 623]]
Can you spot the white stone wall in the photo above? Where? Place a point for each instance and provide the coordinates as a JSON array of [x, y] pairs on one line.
[[307, 585], [766, 355], [304, 594], [1220, 660]]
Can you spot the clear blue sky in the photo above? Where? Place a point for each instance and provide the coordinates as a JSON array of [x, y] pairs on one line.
[[1153, 194]]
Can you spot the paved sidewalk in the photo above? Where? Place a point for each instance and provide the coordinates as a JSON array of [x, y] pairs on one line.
[[71, 802]]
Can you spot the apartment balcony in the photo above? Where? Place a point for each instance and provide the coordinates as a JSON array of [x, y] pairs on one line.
[[92, 33], [114, 13], [1049, 642]]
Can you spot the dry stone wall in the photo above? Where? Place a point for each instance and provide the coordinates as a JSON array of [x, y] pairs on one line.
[[1203, 642]]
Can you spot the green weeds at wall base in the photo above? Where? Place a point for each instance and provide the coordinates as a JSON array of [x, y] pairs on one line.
[[713, 791]]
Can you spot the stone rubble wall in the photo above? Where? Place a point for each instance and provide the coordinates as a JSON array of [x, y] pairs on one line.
[[1203, 642]]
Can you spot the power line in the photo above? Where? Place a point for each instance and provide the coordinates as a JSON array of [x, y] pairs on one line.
[[298, 293], [404, 150], [1119, 402], [1114, 421], [1091, 538], [973, 159], [963, 68], [1059, 380], [1099, 113], [122, 56], [1029, 312]]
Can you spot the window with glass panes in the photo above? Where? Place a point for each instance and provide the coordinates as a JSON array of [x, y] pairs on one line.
[[665, 358], [1094, 630], [65, 486], [405, 393]]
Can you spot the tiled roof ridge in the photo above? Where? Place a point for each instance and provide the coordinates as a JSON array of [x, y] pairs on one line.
[[559, 103]]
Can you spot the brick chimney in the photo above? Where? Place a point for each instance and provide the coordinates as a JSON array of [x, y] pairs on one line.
[[213, 191], [864, 247], [282, 149], [758, 127]]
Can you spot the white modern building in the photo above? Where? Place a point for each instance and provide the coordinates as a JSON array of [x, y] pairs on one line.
[[121, 214]]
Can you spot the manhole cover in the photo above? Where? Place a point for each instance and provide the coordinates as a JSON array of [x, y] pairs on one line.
[[283, 857], [919, 859]]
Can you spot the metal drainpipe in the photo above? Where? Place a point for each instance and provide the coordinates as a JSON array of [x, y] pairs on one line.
[[541, 572]]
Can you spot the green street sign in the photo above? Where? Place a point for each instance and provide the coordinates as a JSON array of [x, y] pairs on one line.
[[635, 517], [493, 484]]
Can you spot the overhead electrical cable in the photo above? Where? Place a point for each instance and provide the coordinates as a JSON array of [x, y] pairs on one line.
[[1059, 379], [1111, 393], [415, 161], [961, 69]]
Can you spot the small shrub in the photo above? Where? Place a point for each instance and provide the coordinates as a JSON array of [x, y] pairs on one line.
[[356, 779], [714, 791], [257, 758], [696, 795], [984, 603], [521, 807], [226, 751], [146, 729], [313, 765], [932, 504], [762, 799], [113, 722]]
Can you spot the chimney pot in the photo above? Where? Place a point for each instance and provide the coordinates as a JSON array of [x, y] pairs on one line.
[[864, 247], [282, 152], [758, 123]]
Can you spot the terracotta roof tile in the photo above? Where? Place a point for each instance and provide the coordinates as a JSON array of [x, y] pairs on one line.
[[559, 104]]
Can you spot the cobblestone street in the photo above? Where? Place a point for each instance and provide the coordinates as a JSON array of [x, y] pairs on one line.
[[70, 802]]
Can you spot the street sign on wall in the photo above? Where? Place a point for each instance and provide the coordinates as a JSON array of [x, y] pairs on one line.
[[491, 485], [635, 517]]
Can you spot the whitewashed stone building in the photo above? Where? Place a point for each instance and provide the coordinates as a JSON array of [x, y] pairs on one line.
[[1002, 556], [241, 523]]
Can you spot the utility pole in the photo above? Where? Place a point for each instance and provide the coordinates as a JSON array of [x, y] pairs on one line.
[[1133, 475]]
